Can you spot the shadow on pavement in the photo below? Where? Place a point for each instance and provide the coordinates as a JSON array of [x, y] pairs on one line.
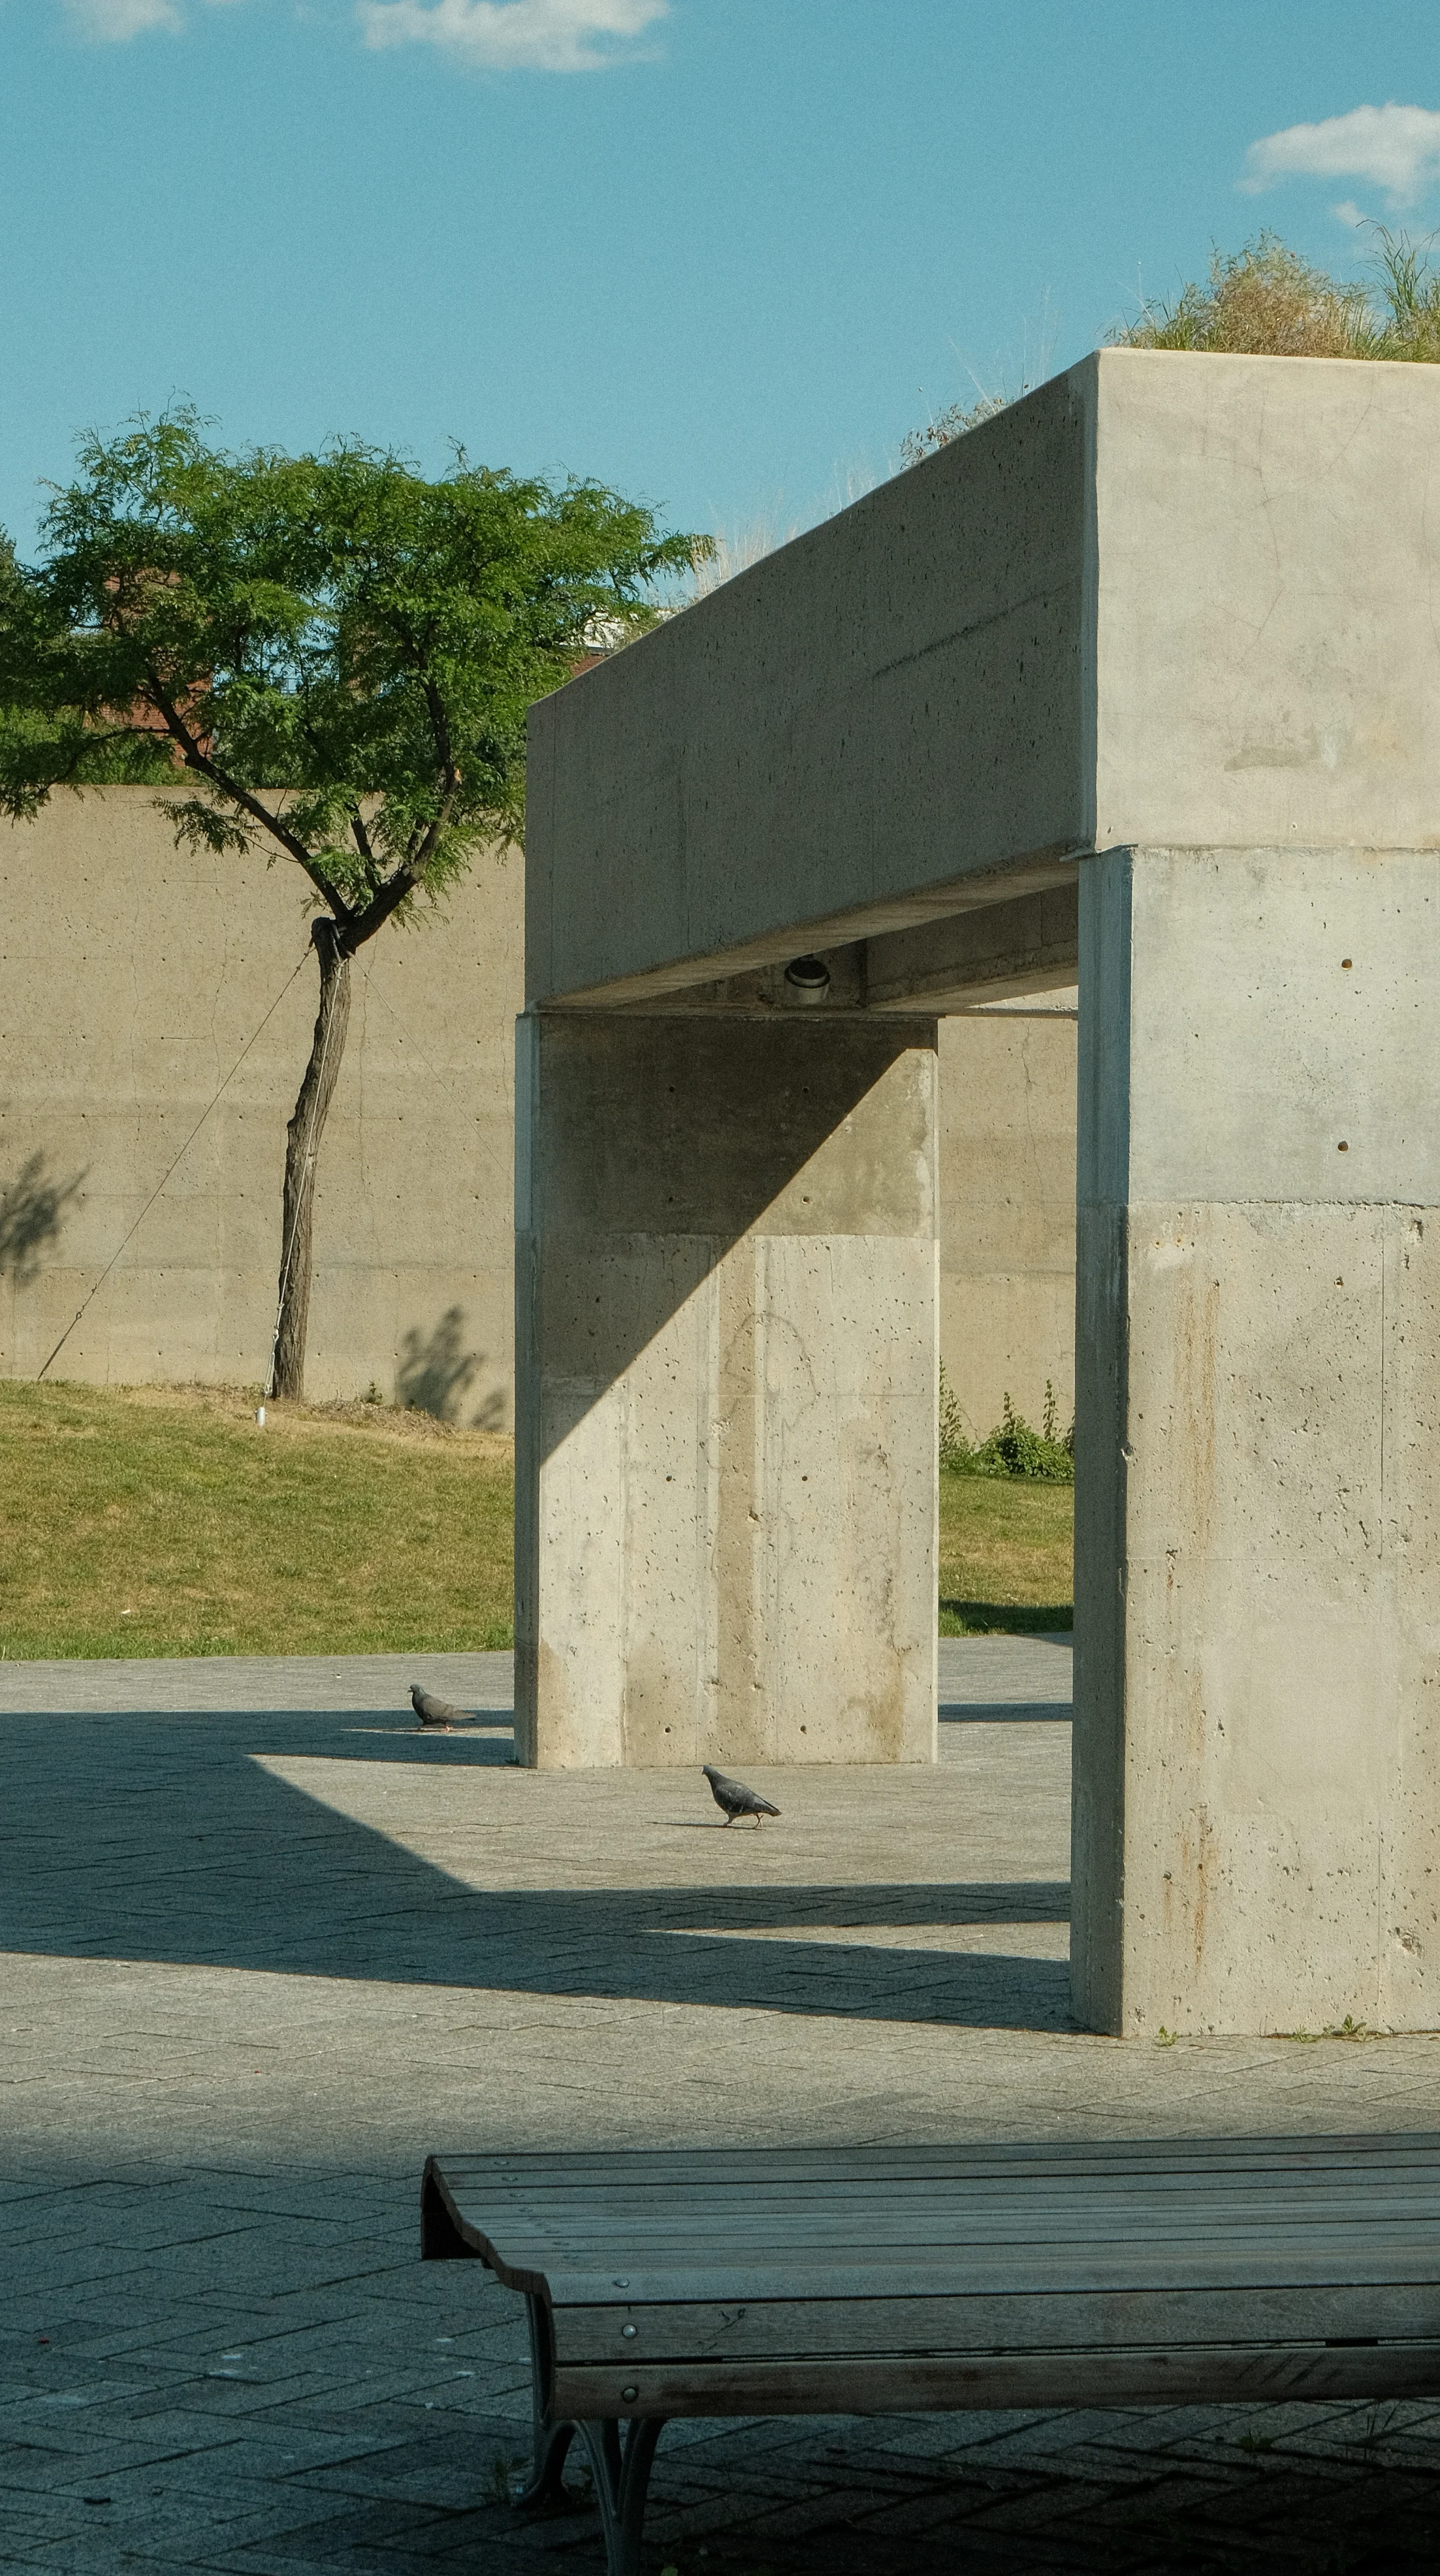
[[163, 1839]]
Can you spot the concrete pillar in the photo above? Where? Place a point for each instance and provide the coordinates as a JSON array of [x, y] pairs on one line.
[[1257, 1736], [726, 1304]]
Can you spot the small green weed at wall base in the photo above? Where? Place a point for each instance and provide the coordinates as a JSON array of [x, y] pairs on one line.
[[1014, 1447], [954, 1446]]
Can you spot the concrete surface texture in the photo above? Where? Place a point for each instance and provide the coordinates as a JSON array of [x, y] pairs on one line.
[[1258, 1818], [1164, 627], [136, 978], [168, 967], [726, 1389], [1007, 1208], [847, 737], [1273, 686], [264, 1947], [1161, 600]]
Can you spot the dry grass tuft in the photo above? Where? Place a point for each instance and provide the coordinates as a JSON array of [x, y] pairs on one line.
[[734, 551], [1265, 301]]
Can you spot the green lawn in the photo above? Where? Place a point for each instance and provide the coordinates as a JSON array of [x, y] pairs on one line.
[[165, 1522], [1006, 1555], [150, 1522]]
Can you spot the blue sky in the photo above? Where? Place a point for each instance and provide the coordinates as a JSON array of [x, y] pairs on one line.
[[722, 253]]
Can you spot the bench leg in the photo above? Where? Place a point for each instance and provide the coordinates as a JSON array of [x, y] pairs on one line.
[[621, 2467], [551, 2440], [622, 2480]]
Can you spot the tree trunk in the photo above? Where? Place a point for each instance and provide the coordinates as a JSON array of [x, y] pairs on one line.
[[302, 1147]]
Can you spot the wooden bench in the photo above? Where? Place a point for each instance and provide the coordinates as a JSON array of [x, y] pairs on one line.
[[886, 2280]]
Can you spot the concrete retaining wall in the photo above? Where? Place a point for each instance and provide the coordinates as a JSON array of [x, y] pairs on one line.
[[132, 975]]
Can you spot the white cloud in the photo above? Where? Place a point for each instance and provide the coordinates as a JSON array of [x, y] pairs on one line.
[[513, 35], [112, 22], [1398, 148]]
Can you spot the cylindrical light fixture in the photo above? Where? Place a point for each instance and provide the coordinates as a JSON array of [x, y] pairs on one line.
[[808, 978]]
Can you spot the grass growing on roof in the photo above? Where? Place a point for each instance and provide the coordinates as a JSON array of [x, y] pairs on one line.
[[1266, 301], [165, 1522]]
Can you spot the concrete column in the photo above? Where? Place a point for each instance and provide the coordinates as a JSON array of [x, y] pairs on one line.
[[1257, 1736], [726, 1353]]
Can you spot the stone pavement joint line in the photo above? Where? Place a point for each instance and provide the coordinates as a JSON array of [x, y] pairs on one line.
[[267, 1946]]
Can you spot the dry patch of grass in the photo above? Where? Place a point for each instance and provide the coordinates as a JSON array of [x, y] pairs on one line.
[[164, 1521], [1006, 1555], [1266, 301]]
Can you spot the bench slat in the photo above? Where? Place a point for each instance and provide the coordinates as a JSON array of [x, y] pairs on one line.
[[734, 2238], [981, 2191], [1067, 2155], [999, 2189], [950, 2218], [844, 2327], [1149, 2375], [724, 2283]]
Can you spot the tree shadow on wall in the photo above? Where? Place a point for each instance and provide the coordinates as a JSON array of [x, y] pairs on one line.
[[435, 1373], [32, 1207]]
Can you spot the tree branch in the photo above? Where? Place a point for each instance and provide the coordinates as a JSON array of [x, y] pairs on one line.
[[361, 837], [385, 900], [420, 848], [196, 758]]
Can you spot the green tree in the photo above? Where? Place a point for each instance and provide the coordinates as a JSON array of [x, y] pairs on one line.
[[337, 654]]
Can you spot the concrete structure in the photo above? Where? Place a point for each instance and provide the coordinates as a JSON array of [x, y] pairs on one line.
[[1140, 674], [168, 966], [1007, 1205], [725, 1265]]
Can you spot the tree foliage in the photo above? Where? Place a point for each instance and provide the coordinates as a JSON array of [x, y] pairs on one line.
[[328, 657], [336, 652]]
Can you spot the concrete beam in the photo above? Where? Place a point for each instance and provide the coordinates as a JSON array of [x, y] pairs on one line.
[[1025, 946], [834, 744], [1164, 601], [989, 953]]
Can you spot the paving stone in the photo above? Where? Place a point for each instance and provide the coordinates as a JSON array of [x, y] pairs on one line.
[[266, 1948]]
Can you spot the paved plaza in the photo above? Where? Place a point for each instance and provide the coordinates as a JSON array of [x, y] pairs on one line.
[[266, 1947]]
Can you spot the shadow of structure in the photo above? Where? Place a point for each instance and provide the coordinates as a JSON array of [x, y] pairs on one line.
[[32, 1207], [1011, 1618], [656, 1162], [167, 1839]]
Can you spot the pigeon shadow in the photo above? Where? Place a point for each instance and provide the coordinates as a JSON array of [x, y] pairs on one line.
[[165, 1839]]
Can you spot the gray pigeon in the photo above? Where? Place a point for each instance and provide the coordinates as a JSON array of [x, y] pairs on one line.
[[435, 1712], [735, 1798]]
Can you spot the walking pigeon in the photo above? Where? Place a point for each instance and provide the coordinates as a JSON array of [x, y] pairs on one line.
[[435, 1712], [735, 1798]]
